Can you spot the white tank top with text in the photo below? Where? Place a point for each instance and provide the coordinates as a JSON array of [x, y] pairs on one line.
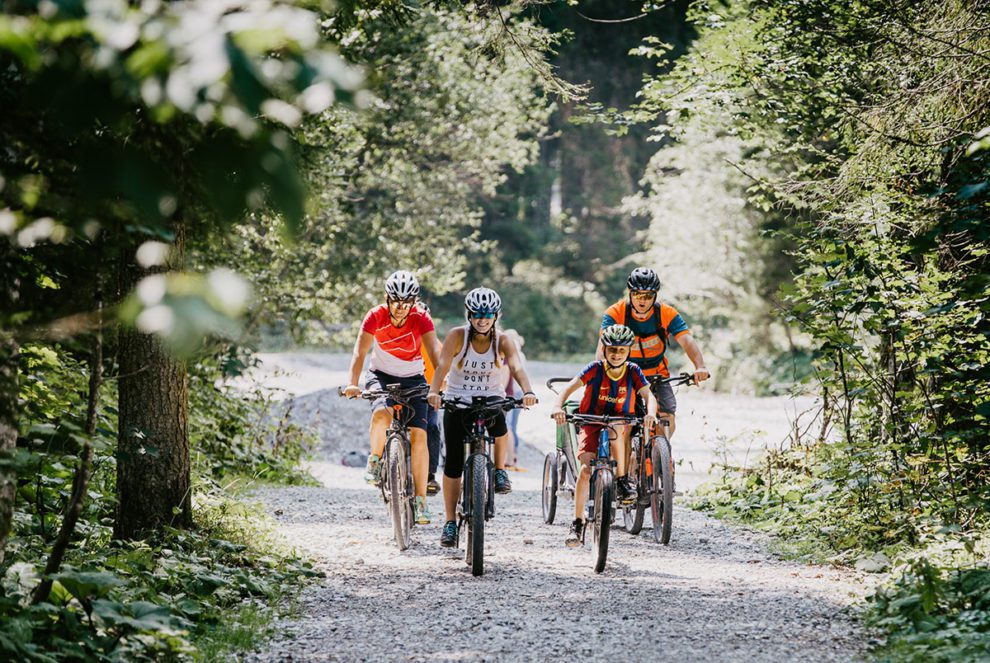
[[478, 375]]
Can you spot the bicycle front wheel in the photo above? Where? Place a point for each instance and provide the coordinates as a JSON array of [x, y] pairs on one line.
[[662, 496], [476, 526], [604, 496], [550, 484], [398, 480]]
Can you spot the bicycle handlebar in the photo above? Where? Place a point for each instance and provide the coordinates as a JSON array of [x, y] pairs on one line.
[[393, 391], [676, 380], [507, 403], [606, 419]]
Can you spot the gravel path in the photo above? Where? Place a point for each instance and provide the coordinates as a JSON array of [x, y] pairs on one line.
[[716, 593]]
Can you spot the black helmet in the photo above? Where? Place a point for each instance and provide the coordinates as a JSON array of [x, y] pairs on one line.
[[618, 335], [643, 278]]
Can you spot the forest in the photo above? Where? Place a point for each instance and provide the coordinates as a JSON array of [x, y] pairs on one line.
[[185, 184]]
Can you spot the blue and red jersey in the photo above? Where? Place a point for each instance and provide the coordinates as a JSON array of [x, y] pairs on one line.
[[603, 395]]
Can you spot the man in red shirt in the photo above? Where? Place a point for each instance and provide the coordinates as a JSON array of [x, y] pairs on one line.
[[395, 332]]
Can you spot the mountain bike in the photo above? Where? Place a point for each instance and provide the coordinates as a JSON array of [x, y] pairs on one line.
[[478, 487], [395, 480], [560, 466], [652, 469], [601, 503]]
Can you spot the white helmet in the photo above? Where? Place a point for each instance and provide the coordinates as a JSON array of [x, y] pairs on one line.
[[482, 300], [401, 285]]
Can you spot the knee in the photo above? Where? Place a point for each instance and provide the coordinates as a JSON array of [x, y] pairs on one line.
[[381, 416]]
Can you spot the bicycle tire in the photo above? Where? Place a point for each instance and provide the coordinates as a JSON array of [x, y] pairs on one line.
[[479, 498], [399, 506], [662, 496], [604, 496], [551, 481]]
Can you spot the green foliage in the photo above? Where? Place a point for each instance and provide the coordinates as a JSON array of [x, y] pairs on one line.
[[239, 431], [865, 124], [400, 185], [177, 597], [122, 125]]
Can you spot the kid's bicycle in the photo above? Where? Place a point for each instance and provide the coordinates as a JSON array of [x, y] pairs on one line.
[[601, 505]]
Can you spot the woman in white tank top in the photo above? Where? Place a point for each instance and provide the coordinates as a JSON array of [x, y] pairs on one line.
[[471, 360]]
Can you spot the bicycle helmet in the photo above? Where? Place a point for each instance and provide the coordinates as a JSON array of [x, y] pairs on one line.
[[401, 285], [618, 335], [643, 278], [482, 300]]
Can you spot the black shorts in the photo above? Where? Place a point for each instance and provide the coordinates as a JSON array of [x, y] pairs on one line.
[[665, 399], [457, 425], [417, 418]]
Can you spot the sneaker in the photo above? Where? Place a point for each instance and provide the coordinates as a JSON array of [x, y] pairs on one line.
[[432, 487], [448, 537], [626, 492], [576, 535], [502, 484], [422, 511], [373, 472]]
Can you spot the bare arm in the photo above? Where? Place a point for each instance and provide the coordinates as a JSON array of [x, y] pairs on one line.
[[361, 348], [686, 341], [518, 371], [569, 388], [448, 351], [431, 344], [651, 406]]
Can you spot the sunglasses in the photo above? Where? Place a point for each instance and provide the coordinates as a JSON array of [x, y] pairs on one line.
[[487, 315], [643, 294], [402, 302]]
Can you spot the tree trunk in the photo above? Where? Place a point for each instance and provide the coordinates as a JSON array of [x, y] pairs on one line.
[[153, 483], [153, 440], [8, 435]]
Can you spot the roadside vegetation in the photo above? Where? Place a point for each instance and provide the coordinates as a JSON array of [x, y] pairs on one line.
[[852, 140]]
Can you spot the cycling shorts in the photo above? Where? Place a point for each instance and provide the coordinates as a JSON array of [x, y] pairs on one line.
[[417, 417], [457, 425]]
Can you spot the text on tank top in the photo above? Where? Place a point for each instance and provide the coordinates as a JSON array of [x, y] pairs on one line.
[[477, 376]]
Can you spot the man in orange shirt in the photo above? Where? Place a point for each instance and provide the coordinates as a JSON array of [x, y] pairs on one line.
[[653, 322]]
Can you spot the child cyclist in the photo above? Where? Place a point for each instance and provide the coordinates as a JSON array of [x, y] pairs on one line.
[[395, 332], [471, 362], [611, 386]]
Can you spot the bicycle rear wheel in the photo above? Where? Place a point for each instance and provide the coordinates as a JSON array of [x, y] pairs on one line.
[[662, 495], [550, 484], [476, 525], [398, 501], [604, 496]]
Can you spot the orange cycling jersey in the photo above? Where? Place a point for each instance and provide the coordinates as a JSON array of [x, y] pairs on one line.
[[648, 352]]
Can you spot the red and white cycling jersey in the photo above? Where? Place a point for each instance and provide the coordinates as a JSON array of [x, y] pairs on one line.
[[396, 350]]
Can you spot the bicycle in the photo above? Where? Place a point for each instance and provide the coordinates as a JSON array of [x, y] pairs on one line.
[[478, 485], [561, 466], [600, 506], [395, 480], [652, 468]]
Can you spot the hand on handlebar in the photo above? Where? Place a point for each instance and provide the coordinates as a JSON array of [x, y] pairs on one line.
[[559, 416], [529, 399], [352, 391], [433, 398], [649, 421], [701, 374]]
